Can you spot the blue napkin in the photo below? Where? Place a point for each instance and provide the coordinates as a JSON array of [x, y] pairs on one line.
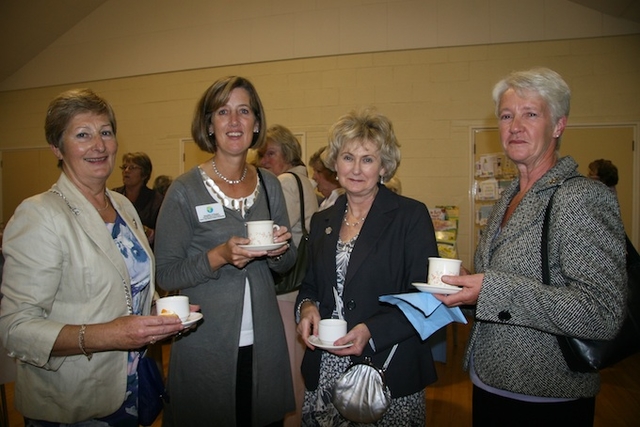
[[424, 311]]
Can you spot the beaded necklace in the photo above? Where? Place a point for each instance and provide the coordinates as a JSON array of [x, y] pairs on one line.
[[355, 224], [227, 180]]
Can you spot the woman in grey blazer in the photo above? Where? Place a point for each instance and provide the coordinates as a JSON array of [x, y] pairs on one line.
[[519, 374]]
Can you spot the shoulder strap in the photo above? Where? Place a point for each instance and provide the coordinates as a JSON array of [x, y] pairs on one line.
[[264, 187], [301, 193], [391, 353]]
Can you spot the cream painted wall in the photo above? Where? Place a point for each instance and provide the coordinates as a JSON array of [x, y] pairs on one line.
[[125, 38], [434, 97]]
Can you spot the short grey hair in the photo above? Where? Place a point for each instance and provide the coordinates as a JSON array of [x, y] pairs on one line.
[[545, 82]]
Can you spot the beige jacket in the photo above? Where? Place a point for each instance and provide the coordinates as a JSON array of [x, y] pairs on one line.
[[62, 267]]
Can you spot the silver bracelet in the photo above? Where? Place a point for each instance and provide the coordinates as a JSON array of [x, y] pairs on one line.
[[81, 342], [299, 307]]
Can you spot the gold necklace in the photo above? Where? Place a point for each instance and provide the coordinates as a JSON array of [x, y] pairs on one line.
[[106, 205]]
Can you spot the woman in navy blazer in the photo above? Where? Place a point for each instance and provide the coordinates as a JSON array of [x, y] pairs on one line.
[[371, 242]]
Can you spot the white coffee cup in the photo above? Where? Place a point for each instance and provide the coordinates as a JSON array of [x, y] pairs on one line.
[[260, 232], [439, 267], [173, 305], [331, 329]]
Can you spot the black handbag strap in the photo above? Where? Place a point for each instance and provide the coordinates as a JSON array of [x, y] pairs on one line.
[[264, 188], [266, 194], [544, 246], [301, 193]]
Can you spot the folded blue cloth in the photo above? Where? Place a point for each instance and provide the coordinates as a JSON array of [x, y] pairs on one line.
[[424, 311]]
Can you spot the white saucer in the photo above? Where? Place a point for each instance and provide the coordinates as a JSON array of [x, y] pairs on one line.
[[437, 289], [260, 248], [315, 341], [193, 318]]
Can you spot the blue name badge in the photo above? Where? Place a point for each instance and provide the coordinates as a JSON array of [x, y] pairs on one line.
[[210, 212]]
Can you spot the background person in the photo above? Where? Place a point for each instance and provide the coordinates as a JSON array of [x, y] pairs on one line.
[[326, 179], [605, 172], [371, 242], [136, 171], [75, 311], [161, 184], [394, 184], [281, 154], [519, 374], [235, 370]]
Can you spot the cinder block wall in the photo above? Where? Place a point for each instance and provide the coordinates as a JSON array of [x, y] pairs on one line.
[[433, 96]]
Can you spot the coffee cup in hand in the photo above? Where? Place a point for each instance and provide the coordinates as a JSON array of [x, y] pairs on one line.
[[260, 233], [330, 330], [439, 267], [176, 305]]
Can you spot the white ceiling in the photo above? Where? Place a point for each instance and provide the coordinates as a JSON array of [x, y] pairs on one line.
[[28, 27]]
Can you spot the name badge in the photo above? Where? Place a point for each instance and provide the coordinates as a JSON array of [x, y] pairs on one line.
[[210, 212]]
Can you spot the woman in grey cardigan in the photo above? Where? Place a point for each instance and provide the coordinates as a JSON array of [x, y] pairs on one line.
[[519, 374], [234, 369]]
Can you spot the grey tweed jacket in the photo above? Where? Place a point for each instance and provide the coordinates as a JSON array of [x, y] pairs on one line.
[[513, 341]]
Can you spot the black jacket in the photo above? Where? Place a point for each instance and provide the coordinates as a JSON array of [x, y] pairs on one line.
[[391, 252]]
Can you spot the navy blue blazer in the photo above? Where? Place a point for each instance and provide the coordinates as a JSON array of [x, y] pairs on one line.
[[390, 253]]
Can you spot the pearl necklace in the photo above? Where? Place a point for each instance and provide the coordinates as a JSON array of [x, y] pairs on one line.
[[227, 180], [355, 224]]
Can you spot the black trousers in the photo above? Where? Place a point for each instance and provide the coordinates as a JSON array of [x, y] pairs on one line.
[[491, 410], [244, 387]]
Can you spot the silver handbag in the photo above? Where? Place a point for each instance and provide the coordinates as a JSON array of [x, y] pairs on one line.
[[360, 394]]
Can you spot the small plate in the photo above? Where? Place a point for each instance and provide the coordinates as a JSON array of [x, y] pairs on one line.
[[315, 341], [437, 289], [193, 318], [260, 248]]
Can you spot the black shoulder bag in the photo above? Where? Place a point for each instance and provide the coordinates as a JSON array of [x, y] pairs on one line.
[[292, 279], [584, 355]]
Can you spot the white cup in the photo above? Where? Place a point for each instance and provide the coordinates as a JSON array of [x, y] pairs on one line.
[[439, 267], [173, 305], [331, 329], [260, 232]]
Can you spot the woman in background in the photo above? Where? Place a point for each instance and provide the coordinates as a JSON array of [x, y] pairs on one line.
[[78, 281], [235, 370], [282, 155], [136, 171], [371, 242], [519, 374], [326, 179], [161, 184]]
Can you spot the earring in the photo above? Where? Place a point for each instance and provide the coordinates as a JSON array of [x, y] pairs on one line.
[[210, 134], [381, 179]]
